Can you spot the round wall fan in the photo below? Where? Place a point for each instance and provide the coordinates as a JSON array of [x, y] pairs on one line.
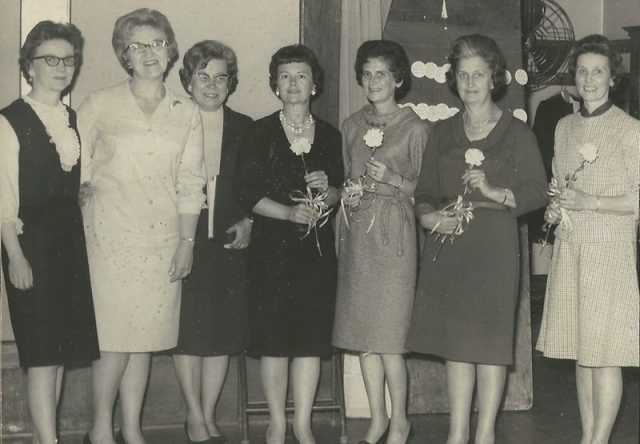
[[547, 39]]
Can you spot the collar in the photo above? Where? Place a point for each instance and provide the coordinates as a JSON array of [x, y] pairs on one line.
[[598, 111]]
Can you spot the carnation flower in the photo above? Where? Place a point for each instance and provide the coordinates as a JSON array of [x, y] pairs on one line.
[[300, 146], [473, 157], [373, 137], [589, 152]]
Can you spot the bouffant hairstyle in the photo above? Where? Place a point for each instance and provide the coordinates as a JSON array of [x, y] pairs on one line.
[[597, 44], [485, 47], [296, 54], [126, 24], [200, 54], [395, 57], [44, 31]]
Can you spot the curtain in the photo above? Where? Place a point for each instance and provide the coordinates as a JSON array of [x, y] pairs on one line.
[[361, 20]]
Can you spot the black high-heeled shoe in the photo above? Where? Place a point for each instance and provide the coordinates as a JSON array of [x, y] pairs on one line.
[[219, 439], [86, 439]]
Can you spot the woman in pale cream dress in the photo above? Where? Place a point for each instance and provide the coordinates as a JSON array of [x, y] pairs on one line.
[[144, 147]]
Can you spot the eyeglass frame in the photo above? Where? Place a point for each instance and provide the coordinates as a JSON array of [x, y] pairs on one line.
[[155, 45], [216, 80], [49, 57]]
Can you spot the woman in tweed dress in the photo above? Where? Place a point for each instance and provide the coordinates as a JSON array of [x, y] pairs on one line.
[[591, 306]]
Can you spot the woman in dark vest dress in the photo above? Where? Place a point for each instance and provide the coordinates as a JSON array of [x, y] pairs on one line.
[[43, 255]]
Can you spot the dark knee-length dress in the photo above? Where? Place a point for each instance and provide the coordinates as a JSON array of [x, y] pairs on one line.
[[292, 288], [213, 310], [466, 300], [54, 321]]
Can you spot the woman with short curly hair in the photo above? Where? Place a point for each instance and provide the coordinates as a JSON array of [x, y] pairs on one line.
[[592, 304], [43, 247], [142, 145]]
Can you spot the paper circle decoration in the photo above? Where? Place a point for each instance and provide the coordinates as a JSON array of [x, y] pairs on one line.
[[520, 114]]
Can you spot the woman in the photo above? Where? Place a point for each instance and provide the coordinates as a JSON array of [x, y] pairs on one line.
[[468, 290], [213, 311], [377, 251], [144, 144], [44, 254], [292, 276], [592, 302]]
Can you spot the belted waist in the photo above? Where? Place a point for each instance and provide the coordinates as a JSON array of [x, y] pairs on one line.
[[490, 205]]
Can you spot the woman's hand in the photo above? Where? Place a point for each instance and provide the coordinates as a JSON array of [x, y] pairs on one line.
[[379, 172], [317, 180], [476, 179], [301, 214], [242, 230], [440, 221], [349, 198], [20, 273], [552, 214], [577, 200], [85, 193], [182, 261]]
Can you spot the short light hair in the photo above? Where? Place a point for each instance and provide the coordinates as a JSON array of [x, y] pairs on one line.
[[126, 24]]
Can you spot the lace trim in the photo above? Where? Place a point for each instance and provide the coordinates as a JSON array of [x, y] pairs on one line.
[[56, 122]]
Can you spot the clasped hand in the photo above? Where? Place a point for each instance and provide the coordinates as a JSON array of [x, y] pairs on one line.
[[476, 179], [576, 200], [242, 230], [317, 180], [378, 171], [442, 222]]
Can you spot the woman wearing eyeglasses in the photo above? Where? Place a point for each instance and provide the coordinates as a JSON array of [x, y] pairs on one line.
[[142, 145], [44, 255], [213, 311]]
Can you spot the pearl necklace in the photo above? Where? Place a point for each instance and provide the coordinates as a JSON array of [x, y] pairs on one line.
[[297, 129]]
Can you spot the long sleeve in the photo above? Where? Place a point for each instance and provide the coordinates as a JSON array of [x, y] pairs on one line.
[[87, 127], [530, 184], [428, 186], [335, 170], [191, 179], [417, 140], [9, 175], [631, 149], [251, 178]]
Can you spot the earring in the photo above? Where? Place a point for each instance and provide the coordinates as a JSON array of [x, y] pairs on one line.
[[277, 92], [313, 92]]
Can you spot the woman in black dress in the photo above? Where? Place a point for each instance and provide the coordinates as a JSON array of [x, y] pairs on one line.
[[44, 254], [467, 290], [213, 312], [292, 277]]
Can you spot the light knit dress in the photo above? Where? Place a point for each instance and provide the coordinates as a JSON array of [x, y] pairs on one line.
[[591, 311], [146, 170]]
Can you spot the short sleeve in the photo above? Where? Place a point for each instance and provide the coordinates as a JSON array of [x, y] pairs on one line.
[[417, 142]]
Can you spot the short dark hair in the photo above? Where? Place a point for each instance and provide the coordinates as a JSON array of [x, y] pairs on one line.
[[486, 48], [125, 25], [44, 31], [296, 54], [200, 54], [395, 57], [597, 44]]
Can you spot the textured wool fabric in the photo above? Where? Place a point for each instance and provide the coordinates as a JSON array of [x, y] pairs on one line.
[[592, 310]]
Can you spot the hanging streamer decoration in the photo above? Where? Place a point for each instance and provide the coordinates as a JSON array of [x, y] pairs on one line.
[[444, 14]]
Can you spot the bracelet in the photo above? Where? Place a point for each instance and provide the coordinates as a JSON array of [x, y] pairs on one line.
[[188, 239], [506, 195]]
